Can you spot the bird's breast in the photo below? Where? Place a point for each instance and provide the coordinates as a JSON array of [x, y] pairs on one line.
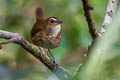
[[47, 40]]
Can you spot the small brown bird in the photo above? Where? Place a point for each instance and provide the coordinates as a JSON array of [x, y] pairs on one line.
[[46, 32]]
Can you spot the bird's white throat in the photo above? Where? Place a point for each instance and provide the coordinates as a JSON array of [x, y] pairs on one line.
[[56, 30]]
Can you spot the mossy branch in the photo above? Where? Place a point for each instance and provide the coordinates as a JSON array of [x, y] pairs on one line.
[[39, 53]]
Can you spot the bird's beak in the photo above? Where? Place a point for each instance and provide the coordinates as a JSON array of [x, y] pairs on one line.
[[59, 22]]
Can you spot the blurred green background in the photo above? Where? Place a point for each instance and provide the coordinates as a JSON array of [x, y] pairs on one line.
[[19, 16]]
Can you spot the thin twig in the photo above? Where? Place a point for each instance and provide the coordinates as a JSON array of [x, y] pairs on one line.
[[91, 25], [39, 53], [78, 69], [111, 8], [89, 18]]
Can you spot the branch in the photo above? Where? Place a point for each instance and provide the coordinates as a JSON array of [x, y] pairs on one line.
[[89, 18], [111, 8], [39, 53], [91, 25]]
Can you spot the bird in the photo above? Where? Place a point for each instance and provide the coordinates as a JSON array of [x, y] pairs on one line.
[[46, 32]]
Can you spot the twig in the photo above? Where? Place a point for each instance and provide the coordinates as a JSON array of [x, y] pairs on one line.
[[91, 25], [89, 18], [111, 8], [39, 53], [77, 69]]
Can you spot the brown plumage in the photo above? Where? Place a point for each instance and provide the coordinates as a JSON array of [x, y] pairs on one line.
[[46, 33]]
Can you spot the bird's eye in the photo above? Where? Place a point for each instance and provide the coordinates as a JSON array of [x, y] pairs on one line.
[[51, 21]]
